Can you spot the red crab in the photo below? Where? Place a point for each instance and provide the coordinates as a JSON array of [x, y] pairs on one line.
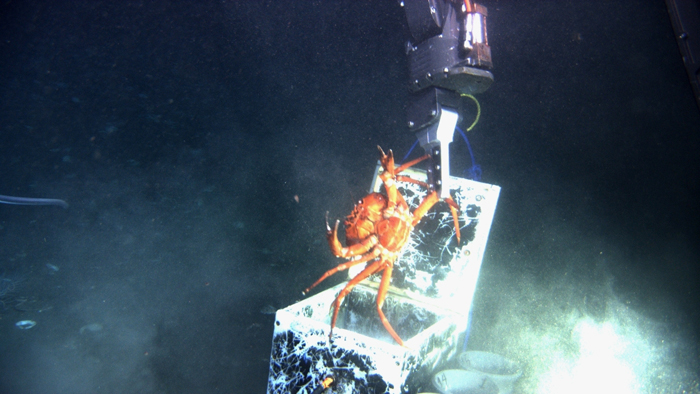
[[376, 231]]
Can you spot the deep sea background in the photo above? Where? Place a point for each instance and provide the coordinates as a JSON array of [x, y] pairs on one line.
[[180, 133]]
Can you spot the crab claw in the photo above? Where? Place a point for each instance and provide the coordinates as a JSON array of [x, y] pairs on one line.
[[328, 227], [332, 236], [329, 230], [387, 160]]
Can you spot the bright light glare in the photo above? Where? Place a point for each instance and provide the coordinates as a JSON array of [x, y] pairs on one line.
[[602, 366]]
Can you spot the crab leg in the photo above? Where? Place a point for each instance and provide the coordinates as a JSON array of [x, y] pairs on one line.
[[343, 267], [388, 177], [428, 203], [410, 164], [354, 250], [369, 270], [408, 179], [455, 217], [381, 296]]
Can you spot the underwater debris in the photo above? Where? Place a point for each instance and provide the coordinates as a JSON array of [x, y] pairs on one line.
[[25, 324], [91, 328]]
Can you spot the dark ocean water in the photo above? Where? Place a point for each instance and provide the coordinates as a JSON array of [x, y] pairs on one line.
[[181, 132]]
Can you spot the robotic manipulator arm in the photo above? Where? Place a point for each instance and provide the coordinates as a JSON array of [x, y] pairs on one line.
[[448, 56]]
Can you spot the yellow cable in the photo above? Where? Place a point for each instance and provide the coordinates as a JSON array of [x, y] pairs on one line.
[[478, 110]]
